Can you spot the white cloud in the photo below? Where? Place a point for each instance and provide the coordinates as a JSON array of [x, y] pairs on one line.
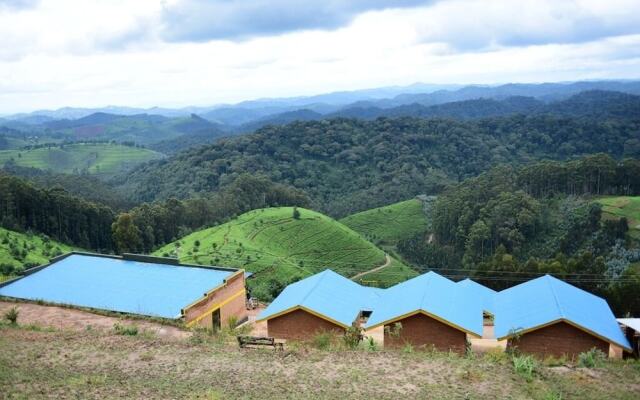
[[95, 53]]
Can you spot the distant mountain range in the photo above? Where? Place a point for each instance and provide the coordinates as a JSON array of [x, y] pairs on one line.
[[247, 112], [172, 130]]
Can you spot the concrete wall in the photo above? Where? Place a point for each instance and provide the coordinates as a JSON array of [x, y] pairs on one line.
[[229, 298], [557, 340], [421, 330], [300, 325]]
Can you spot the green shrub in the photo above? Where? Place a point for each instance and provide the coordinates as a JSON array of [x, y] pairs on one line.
[[524, 366], [322, 340], [232, 322], [11, 315], [553, 396], [371, 344], [407, 348], [592, 358], [126, 330], [352, 337]]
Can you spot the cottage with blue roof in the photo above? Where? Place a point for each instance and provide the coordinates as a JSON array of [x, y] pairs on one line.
[[324, 302], [547, 316], [428, 311], [135, 284]]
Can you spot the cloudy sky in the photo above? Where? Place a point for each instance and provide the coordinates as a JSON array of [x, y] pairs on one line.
[[56, 53]]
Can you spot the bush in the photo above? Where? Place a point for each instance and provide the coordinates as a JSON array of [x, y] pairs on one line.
[[407, 348], [322, 340], [126, 330], [352, 337], [371, 344], [296, 213], [524, 366], [592, 358], [11, 315]]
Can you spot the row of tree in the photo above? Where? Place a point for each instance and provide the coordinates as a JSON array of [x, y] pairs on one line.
[[55, 213]]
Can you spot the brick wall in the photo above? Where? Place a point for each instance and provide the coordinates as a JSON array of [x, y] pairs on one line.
[[300, 325], [557, 340], [423, 331], [235, 307]]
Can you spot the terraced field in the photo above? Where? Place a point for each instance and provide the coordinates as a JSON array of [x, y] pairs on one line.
[[93, 158], [391, 223], [20, 250], [279, 248], [623, 206]]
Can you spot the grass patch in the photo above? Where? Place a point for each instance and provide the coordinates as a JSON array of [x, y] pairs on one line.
[[126, 330], [525, 366], [23, 250]]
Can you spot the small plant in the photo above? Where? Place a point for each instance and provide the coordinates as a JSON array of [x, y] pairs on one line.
[[524, 366], [553, 396], [371, 344], [322, 340], [591, 359], [232, 322], [352, 337], [407, 348], [126, 330], [11, 315], [296, 213]]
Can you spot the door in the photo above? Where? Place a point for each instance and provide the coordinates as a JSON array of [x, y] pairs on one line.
[[215, 319]]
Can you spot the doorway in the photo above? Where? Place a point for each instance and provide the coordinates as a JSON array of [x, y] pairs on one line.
[[215, 319]]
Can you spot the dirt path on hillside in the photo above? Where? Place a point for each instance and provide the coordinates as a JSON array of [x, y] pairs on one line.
[[78, 320], [387, 262]]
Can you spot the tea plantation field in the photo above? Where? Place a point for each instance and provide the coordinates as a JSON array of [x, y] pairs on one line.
[[279, 249], [391, 223], [92, 158], [20, 250]]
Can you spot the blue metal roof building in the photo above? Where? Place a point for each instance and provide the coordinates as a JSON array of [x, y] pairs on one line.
[[117, 284], [483, 294], [327, 295], [545, 301], [432, 295]]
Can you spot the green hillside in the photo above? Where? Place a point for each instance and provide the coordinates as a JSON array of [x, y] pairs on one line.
[[279, 248], [623, 206], [94, 158], [20, 250], [391, 223]]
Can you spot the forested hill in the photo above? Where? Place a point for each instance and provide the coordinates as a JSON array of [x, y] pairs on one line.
[[350, 165]]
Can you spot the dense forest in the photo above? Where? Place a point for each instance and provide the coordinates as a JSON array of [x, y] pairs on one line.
[[510, 224], [348, 165]]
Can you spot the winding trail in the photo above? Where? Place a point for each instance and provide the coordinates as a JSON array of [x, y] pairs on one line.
[[376, 269]]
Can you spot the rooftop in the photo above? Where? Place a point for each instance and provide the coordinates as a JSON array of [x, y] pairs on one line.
[[327, 293], [133, 284], [545, 300]]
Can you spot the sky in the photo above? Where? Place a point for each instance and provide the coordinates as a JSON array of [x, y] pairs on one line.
[[174, 53]]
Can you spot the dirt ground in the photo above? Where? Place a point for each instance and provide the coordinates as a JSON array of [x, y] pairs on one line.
[[99, 364], [77, 320]]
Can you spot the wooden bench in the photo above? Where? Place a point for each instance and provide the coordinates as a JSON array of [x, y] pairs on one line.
[[258, 341]]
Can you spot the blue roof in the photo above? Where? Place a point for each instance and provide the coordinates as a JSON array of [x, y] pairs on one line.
[[485, 295], [546, 299], [326, 293], [114, 284], [433, 294]]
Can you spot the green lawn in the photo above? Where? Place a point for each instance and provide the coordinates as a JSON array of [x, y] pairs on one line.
[[391, 223], [623, 206], [94, 158], [274, 245], [23, 250]]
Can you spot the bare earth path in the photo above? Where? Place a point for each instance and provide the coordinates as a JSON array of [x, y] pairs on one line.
[[387, 262], [77, 320]]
